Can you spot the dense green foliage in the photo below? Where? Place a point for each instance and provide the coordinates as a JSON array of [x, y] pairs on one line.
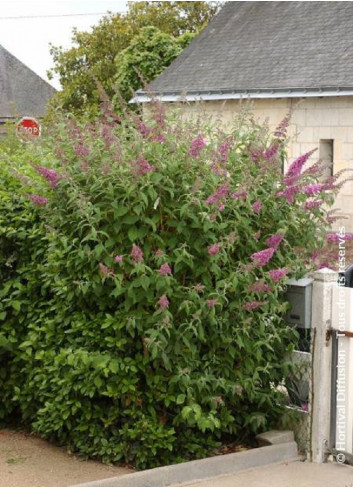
[[141, 270], [97, 55]]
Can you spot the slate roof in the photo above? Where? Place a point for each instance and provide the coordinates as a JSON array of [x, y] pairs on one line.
[[267, 46], [22, 92]]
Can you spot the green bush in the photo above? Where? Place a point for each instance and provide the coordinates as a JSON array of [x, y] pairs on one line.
[[142, 268]]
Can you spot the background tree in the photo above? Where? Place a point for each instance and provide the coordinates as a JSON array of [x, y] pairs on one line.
[[96, 54], [146, 57]]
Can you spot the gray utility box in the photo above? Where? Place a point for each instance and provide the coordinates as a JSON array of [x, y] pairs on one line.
[[299, 294]]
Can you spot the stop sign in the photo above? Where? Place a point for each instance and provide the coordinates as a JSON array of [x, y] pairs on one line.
[[29, 126]]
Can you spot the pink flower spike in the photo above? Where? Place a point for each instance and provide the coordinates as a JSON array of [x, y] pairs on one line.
[[199, 287], [142, 166], [38, 200], [274, 240], [271, 151], [289, 193], [278, 273], [118, 259], [262, 257], [252, 305], [239, 195], [214, 249], [50, 175], [219, 195], [256, 207], [163, 302], [136, 254], [165, 270], [159, 253], [259, 286], [211, 302], [281, 129], [296, 166], [309, 206], [223, 151], [105, 270], [314, 189], [196, 146]]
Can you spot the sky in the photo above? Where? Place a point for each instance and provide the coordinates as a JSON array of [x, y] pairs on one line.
[[28, 35]]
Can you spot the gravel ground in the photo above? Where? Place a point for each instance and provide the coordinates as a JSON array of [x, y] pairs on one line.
[[26, 460]]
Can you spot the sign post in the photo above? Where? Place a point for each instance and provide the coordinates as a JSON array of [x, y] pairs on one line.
[[29, 127]]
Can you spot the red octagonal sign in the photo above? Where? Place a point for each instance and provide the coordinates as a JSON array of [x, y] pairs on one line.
[[29, 126]]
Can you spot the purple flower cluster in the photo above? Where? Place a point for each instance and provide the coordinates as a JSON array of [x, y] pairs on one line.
[[118, 259], [196, 146], [309, 206], [239, 195], [165, 270], [51, 176], [199, 287], [219, 196], [256, 207], [296, 167], [315, 255], [278, 273], [38, 200], [157, 137], [143, 129], [314, 189], [107, 136], [336, 238], [262, 257], [214, 249], [271, 151], [223, 151], [163, 302], [259, 286], [105, 270], [81, 150], [136, 254], [142, 166], [252, 305], [159, 253], [289, 193], [255, 154], [159, 115], [281, 129], [275, 240]]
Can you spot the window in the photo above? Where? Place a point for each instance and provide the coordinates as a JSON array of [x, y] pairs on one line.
[[326, 157]]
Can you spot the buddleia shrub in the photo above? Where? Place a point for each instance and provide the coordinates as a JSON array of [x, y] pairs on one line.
[[142, 316]]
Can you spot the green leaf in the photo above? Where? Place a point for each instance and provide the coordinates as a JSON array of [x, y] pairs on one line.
[[16, 305], [133, 234], [180, 399], [98, 382]]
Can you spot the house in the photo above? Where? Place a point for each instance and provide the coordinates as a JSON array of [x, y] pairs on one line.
[[22, 92], [276, 54]]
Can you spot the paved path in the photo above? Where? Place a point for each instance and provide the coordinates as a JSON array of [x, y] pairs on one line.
[[289, 474], [27, 461]]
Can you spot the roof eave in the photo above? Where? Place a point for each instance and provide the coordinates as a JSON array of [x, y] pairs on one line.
[[214, 95]]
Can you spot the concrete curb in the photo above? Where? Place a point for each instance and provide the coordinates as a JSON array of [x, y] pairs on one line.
[[206, 468]]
